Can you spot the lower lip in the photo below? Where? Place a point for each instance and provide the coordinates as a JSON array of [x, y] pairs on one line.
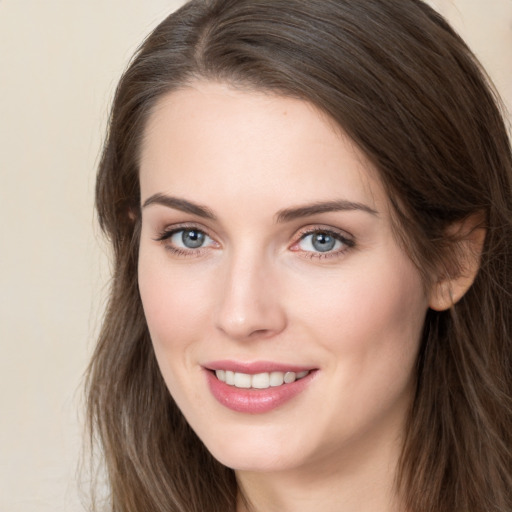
[[255, 401]]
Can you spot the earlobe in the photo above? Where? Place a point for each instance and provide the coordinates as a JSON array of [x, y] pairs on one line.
[[448, 292], [469, 237]]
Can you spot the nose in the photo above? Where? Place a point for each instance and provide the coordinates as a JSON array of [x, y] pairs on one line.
[[249, 305]]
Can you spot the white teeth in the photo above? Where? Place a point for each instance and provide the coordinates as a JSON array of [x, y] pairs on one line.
[[289, 377], [258, 380], [242, 380], [276, 379]]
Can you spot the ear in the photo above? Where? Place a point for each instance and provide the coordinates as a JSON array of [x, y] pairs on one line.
[[133, 213], [469, 236]]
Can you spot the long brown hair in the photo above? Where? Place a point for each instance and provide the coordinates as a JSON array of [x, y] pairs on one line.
[[408, 91]]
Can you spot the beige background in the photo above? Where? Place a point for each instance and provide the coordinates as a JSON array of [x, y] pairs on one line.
[[59, 62]]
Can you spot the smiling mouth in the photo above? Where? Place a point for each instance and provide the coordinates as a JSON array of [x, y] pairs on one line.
[[263, 380]]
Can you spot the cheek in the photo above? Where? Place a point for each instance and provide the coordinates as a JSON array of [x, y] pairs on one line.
[[370, 321], [175, 306], [388, 307], [382, 299], [175, 303]]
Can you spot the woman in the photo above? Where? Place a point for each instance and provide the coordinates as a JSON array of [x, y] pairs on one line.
[[311, 213]]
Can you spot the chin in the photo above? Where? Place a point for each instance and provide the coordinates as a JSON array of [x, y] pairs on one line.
[[259, 453], [255, 462]]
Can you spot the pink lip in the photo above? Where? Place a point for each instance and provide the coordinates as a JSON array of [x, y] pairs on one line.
[[255, 401], [254, 367]]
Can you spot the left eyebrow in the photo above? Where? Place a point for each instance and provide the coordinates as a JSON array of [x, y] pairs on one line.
[[290, 214]]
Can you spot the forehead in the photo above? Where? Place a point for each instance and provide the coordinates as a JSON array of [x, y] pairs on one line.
[[211, 136]]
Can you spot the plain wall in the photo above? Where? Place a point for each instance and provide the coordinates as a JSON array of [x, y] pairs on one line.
[[59, 63]]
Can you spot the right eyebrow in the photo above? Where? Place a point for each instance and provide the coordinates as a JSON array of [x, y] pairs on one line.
[[179, 204]]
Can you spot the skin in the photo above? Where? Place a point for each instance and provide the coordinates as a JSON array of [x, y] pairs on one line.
[[259, 290]]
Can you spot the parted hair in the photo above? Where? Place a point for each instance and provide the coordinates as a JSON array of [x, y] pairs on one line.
[[402, 84]]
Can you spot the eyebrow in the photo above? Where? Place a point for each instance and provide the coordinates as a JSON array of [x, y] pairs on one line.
[[286, 215], [180, 204], [290, 214]]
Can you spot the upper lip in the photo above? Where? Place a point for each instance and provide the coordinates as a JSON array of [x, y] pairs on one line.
[[254, 367]]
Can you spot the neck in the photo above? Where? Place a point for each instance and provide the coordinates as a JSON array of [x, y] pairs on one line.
[[362, 479]]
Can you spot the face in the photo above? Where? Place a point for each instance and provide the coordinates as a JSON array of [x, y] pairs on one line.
[[284, 315]]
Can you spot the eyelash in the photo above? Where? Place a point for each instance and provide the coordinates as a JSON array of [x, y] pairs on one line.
[[167, 234], [347, 242]]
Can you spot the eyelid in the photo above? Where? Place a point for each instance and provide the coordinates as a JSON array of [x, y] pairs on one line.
[[169, 230], [340, 235], [165, 235], [343, 236]]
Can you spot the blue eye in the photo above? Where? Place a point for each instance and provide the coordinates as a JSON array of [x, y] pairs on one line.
[[185, 241], [323, 242], [189, 239]]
